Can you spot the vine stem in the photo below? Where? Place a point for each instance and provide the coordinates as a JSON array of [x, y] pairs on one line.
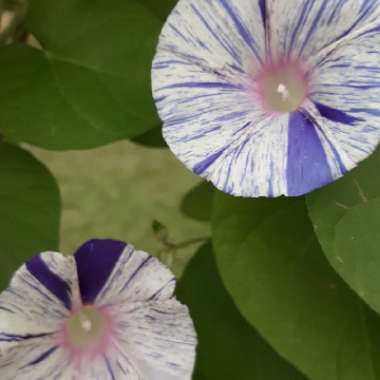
[[169, 246], [188, 243]]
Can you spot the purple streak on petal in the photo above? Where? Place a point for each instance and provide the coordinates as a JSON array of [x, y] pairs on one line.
[[366, 9], [43, 356], [95, 261], [306, 7], [308, 167], [7, 310], [336, 10], [241, 28], [337, 156], [208, 85], [270, 188], [5, 337], [336, 115], [135, 273], [50, 280], [227, 46], [370, 111], [109, 368], [314, 26], [159, 291], [206, 163], [263, 10], [246, 125], [342, 166]]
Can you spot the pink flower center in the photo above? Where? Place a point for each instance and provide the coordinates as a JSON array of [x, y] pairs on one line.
[[87, 333], [283, 86]]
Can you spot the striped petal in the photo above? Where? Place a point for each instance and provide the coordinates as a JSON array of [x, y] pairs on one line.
[[342, 112], [346, 94], [42, 359], [160, 339], [136, 277], [200, 79], [32, 309], [208, 57], [310, 28], [115, 366], [338, 127], [34, 359], [96, 261], [142, 331], [38, 298]]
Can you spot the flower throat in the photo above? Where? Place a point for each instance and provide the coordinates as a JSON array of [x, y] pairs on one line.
[[282, 87]]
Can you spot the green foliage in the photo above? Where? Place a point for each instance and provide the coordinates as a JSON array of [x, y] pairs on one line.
[[161, 8], [344, 218], [116, 191], [160, 231], [90, 85], [151, 139], [264, 295], [197, 204], [29, 209], [229, 348], [272, 265]]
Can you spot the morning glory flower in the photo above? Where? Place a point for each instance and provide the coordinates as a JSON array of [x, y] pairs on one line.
[[107, 313], [270, 97]]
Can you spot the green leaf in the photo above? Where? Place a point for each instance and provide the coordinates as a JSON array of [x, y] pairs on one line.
[[162, 8], [29, 210], [197, 375], [342, 211], [91, 83], [272, 265], [151, 139], [229, 348], [356, 244], [197, 203]]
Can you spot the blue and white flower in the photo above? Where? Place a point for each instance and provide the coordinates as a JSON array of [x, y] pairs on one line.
[[107, 313], [270, 97]]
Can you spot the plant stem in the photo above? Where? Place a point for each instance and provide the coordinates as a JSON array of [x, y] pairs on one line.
[[190, 242], [174, 247]]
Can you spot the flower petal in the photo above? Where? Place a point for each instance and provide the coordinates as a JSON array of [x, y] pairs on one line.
[[160, 339], [137, 277], [212, 122], [346, 93], [96, 260], [308, 164], [229, 34], [111, 367], [42, 359], [34, 359], [38, 297], [39, 269], [310, 28]]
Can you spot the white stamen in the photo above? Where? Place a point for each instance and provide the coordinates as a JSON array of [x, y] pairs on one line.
[[283, 91], [85, 323]]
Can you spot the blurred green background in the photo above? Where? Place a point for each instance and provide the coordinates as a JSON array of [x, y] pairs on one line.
[[117, 191]]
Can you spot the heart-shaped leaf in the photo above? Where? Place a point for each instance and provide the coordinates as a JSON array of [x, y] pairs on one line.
[[90, 83], [344, 218], [272, 265], [197, 203], [29, 209], [229, 348]]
